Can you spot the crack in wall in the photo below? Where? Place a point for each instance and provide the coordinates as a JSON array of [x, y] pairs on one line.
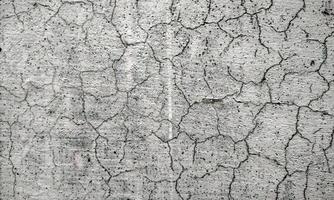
[[166, 99]]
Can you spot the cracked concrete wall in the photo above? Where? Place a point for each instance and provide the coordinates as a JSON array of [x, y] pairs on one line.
[[167, 99]]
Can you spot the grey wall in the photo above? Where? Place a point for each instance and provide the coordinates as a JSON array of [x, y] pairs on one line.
[[167, 99]]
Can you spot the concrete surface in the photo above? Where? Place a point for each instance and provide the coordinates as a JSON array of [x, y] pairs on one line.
[[167, 99]]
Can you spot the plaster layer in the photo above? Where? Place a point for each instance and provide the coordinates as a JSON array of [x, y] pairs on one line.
[[166, 99]]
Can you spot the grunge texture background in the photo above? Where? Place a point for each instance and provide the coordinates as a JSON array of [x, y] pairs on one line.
[[166, 99]]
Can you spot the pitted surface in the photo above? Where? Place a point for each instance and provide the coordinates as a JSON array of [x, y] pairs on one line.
[[171, 99]]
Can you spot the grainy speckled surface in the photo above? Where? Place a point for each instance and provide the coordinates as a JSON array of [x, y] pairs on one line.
[[166, 99]]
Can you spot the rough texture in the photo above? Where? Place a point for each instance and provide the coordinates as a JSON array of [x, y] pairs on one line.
[[167, 99]]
